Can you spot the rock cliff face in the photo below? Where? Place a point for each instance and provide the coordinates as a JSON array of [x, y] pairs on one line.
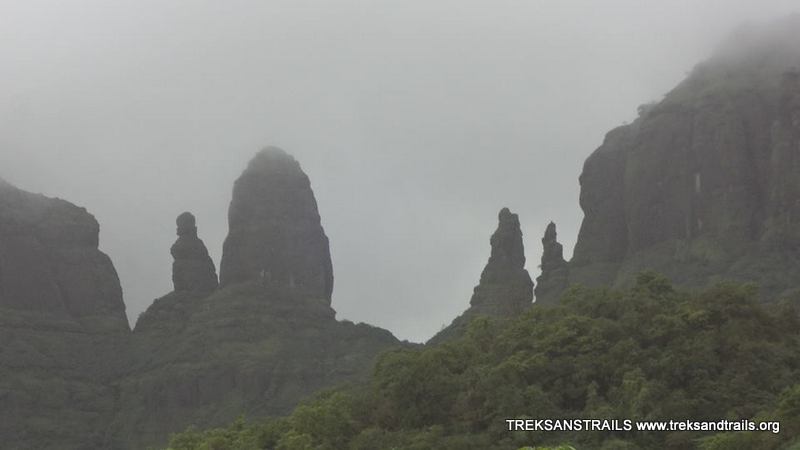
[[50, 262], [505, 288], [275, 231], [192, 269], [704, 185], [62, 325]]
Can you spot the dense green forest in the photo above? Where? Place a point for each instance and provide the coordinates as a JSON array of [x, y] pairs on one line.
[[650, 352]]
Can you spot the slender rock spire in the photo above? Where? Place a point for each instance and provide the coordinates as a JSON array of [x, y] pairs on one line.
[[553, 280], [505, 288], [193, 270]]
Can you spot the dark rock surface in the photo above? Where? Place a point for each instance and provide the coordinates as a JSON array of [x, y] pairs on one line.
[[72, 375], [554, 277], [193, 269], [50, 262], [704, 185], [275, 231], [505, 288], [258, 344], [62, 325]]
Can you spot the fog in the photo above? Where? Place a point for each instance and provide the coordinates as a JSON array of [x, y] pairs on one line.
[[416, 121]]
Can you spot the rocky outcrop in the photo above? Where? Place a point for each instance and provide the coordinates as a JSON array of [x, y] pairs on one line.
[[261, 342], [554, 277], [703, 186], [275, 232], [50, 262], [193, 270], [62, 325], [73, 376], [505, 288]]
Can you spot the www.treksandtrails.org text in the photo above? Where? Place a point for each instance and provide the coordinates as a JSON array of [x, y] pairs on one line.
[[637, 425]]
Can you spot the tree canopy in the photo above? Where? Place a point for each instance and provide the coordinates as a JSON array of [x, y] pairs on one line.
[[649, 352]]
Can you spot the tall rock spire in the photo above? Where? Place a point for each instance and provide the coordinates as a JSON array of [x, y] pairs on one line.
[[505, 288], [193, 270], [553, 280], [275, 232]]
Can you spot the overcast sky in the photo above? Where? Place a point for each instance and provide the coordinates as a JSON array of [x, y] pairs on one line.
[[416, 120]]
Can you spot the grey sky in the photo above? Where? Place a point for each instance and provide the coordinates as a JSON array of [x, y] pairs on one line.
[[416, 120]]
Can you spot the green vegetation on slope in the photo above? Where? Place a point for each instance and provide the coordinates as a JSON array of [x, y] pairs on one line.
[[647, 353], [245, 349]]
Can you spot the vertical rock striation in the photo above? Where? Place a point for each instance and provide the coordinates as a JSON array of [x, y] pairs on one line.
[[275, 231]]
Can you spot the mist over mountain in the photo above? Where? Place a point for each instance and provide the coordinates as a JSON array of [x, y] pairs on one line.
[[73, 374], [702, 187], [400, 154], [406, 118]]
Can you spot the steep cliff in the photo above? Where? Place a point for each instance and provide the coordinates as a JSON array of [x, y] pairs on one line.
[[505, 288], [50, 262], [704, 185], [62, 325]]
